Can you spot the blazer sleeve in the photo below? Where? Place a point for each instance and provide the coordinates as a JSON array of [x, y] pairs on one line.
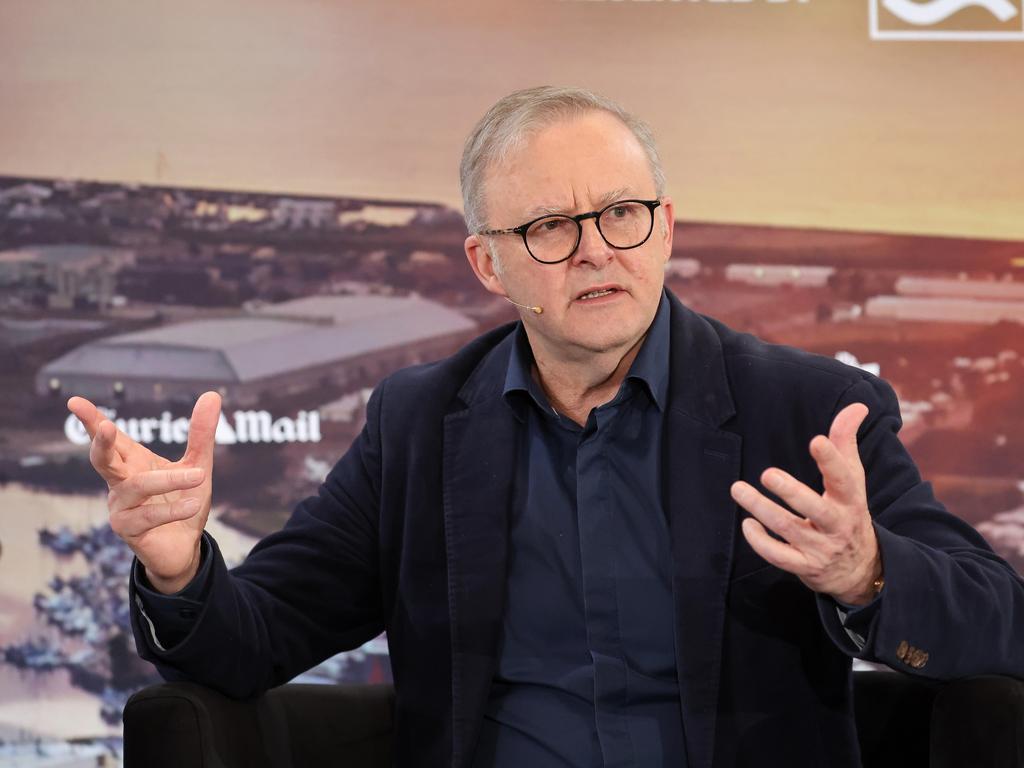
[[303, 594], [950, 606]]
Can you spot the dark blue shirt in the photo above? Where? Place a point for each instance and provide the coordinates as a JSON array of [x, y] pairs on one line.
[[587, 672]]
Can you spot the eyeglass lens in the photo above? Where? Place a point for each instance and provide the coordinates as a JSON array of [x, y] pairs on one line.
[[623, 225]]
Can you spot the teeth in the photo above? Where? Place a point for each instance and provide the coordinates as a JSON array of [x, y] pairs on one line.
[[595, 294]]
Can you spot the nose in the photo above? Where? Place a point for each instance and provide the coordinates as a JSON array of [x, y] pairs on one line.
[[593, 249]]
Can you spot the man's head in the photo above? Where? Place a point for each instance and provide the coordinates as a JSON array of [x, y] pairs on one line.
[[516, 117], [567, 151]]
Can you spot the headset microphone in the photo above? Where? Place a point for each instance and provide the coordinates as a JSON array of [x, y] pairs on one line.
[[535, 310]]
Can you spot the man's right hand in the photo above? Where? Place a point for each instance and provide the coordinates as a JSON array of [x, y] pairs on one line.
[[158, 507]]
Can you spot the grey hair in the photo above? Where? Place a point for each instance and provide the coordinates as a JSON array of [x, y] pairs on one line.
[[516, 117]]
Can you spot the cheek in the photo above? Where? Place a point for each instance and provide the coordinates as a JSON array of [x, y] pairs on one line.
[[537, 286], [646, 269], [549, 281]]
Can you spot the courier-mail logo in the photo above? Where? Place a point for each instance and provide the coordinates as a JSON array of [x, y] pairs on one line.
[[946, 19]]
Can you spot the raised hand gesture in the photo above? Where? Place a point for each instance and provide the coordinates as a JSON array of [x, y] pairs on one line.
[[158, 507], [831, 544]]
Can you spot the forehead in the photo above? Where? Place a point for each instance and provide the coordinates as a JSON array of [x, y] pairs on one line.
[[570, 165]]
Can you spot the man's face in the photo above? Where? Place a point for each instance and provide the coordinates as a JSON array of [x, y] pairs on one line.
[[571, 167]]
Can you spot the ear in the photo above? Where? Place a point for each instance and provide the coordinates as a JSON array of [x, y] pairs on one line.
[[482, 262], [668, 225]]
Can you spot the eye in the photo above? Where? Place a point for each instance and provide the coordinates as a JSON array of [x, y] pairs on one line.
[[551, 225]]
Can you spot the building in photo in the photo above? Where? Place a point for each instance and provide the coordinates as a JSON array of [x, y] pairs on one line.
[[70, 276], [270, 351]]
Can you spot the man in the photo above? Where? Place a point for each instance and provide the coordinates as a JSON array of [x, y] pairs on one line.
[[548, 524]]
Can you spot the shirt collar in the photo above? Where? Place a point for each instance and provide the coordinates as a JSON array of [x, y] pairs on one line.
[[651, 364], [649, 369], [519, 382]]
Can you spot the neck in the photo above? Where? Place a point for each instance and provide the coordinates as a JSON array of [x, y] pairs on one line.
[[574, 387]]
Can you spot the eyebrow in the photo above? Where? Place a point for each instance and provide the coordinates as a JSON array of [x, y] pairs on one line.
[[622, 193]]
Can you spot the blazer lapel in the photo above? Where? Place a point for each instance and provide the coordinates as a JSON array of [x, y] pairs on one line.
[[701, 462], [700, 465], [480, 445]]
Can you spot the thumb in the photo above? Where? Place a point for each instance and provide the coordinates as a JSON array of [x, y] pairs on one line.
[[201, 430], [843, 432]]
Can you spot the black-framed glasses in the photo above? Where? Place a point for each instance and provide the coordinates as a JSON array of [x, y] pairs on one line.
[[554, 238]]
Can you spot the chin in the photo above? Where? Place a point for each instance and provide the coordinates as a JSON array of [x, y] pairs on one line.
[[607, 341]]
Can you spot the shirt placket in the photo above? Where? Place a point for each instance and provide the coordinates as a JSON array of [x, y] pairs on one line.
[[595, 518]]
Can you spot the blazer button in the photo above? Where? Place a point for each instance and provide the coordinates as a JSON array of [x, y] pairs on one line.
[[902, 649], [919, 659]]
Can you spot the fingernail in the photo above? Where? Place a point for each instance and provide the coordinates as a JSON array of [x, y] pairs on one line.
[[190, 506], [193, 475], [740, 492], [772, 480]]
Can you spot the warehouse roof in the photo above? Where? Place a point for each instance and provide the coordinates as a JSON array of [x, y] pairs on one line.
[[272, 340]]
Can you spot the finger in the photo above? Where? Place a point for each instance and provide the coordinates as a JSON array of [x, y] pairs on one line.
[[202, 430], [91, 418], [87, 413], [104, 457], [840, 480], [800, 497], [773, 516], [139, 488], [778, 553], [137, 520], [843, 432]]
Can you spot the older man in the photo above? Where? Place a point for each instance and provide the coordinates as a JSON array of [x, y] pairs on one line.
[[547, 524]]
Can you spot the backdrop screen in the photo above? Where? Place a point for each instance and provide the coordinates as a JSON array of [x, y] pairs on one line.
[[262, 199]]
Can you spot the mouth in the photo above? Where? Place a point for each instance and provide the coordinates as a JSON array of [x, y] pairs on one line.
[[598, 292]]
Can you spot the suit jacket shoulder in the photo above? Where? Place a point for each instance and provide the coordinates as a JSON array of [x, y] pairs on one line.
[[758, 369]]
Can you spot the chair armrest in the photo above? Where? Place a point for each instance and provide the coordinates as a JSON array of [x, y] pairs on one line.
[[184, 724], [893, 713], [978, 721]]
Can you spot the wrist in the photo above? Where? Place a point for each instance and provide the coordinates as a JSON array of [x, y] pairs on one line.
[[868, 588], [169, 585]]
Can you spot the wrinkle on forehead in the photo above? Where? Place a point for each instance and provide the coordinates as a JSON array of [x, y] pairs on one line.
[[588, 203]]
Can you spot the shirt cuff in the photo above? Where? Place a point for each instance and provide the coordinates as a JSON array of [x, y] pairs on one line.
[[174, 615], [856, 619]]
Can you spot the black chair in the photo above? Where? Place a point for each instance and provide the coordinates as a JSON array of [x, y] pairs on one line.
[[901, 722]]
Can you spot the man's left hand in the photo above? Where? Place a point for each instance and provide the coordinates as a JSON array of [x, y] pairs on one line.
[[832, 548]]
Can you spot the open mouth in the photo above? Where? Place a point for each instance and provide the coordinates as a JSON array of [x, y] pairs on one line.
[[596, 294]]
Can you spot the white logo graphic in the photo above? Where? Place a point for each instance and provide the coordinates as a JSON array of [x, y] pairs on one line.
[[935, 11], [245, 427], [1007, 20]]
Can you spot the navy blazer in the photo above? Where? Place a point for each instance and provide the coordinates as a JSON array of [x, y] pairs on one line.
[[408, 534]]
